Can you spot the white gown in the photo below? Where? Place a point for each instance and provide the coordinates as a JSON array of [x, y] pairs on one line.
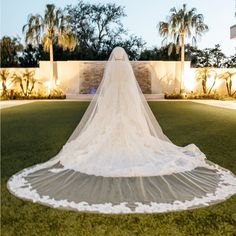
[[119, 161]]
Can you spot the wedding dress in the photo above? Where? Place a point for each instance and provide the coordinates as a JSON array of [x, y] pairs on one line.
[[118, 160]]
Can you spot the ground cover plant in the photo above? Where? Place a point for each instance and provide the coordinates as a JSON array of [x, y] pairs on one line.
[[35, 132]]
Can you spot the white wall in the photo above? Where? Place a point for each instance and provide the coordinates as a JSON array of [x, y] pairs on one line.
[[20, 71], [165, 75], [191, 84]]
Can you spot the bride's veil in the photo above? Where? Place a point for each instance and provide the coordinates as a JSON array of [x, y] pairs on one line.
[[118, 160], [118, 57]]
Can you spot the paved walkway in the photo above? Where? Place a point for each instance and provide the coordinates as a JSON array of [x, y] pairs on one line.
[[6, 104], [217, 103]]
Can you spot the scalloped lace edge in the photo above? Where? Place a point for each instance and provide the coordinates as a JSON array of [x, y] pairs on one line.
[[19, 186]]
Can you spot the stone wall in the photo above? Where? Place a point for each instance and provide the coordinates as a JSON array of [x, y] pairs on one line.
[[91, 77], [144, 77], [93, 73], [77, 77]]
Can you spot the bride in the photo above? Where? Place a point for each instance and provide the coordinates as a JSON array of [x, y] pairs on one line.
[[118, 160]]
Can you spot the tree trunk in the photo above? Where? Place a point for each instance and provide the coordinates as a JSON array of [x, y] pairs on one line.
[[204, 86], [32, 87], [27, 87], [182, 63], [212, 86], [52, 82], [230, 87], [22, 88], [4, 88]]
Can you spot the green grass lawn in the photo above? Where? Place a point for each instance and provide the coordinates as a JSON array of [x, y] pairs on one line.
[[35, 132]]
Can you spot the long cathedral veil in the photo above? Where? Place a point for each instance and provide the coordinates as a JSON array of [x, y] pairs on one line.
[[117, 61], [118, 160]]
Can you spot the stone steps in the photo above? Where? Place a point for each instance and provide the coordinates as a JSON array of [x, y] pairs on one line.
[[88, 97], [81, 97], [158, 96]]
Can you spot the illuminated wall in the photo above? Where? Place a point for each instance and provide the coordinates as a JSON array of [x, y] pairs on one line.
[[156, 77], [153, 76], [193, 85]]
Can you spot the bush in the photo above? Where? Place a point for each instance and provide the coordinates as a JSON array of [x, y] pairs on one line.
[[13, 95], [175, 96], [62, 96], [210, 96], [192, 95], [57, 94]]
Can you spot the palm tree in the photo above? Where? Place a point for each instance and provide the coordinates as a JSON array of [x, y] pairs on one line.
[[51, 28], [203, 74], [4, 75], [26, 81], [182, 23], [227, 76]]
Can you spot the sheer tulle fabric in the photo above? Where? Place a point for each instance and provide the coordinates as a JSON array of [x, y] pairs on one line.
[[118, 160]]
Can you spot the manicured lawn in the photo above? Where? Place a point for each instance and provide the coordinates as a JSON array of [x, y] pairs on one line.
[[35, 132]]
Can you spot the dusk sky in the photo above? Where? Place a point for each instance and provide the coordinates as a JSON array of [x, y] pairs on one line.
[[142, 18]]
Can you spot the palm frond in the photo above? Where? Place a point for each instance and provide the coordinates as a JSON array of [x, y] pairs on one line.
[[33, 29], [67, 41], [54, 24], [177, 44], [47, 41], [170, 49], [163, 28], [183, 22]]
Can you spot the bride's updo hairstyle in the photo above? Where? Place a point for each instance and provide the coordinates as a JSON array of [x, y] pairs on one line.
[[118, 54]]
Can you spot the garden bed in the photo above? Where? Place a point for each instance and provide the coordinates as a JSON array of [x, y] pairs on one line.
[[199, 96]]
